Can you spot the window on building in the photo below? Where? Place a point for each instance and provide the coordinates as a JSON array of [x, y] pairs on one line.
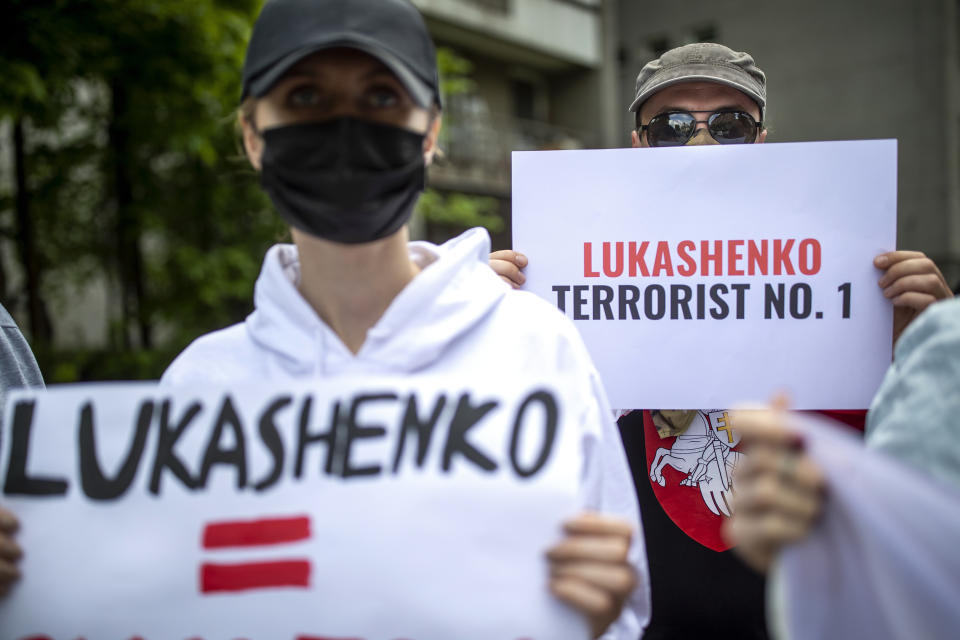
[[524, 99]]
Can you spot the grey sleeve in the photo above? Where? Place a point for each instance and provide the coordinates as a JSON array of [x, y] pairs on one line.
[[915, 415], [18, 367]]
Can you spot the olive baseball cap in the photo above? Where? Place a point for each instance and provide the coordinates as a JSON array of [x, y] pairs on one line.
[[705, 62], [392, 31]]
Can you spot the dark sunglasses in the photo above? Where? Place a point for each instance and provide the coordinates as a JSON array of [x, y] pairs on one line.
[[677, 127]]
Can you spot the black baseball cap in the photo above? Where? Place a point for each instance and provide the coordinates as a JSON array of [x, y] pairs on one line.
[[391, 31]]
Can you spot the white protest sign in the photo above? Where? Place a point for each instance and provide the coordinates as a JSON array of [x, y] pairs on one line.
[[708, 276], [376, 509]]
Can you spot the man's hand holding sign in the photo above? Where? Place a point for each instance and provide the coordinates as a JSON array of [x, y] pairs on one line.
[[912, 282]]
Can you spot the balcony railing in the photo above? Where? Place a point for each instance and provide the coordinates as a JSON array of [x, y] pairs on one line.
[[476, 151]]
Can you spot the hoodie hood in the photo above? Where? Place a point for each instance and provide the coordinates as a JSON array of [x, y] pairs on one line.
[[455, 290]]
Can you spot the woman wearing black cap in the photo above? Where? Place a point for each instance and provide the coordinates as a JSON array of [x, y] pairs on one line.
[[340, 116]]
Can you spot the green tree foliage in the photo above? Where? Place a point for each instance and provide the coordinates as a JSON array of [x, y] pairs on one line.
[[460, 210], [455, 72], [132, 166], [450, 213], [118, 118]]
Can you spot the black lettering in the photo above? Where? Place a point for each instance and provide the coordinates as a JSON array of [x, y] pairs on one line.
[[801, 300], [465, 417], [580, 301], [17, 481], [678, 301], [648, 303], [561, 290], [271, 440], [701, 301], [629, 301], [355, 431], [304, 437], [844, 290], [235, 456], [602, 297], [717, 292], [422, 428], [773, 300], [95, 484], [166, 441], [549, 432], [741, 290]]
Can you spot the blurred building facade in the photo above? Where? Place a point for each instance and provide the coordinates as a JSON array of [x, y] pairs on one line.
[[559, 74], [543, 77], [839, 70]]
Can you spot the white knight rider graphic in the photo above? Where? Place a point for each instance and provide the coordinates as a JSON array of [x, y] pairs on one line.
[[704, 451]]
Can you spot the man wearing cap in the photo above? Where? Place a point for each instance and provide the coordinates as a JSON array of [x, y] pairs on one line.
[[694, 95], [708, 94]]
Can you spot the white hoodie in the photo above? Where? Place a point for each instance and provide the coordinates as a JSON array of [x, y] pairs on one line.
[[456, 315]]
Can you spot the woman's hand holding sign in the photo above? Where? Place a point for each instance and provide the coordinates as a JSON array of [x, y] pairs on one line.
[[9, 551], [912, 282], [509, 266], [589, 569]]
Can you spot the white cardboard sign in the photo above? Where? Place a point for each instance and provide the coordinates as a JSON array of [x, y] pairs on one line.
[[378, 509], [709, 276]]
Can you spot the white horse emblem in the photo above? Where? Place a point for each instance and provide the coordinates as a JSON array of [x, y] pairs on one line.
[[704, 452]]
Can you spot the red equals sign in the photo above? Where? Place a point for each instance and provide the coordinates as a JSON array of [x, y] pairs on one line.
[[265, 532]]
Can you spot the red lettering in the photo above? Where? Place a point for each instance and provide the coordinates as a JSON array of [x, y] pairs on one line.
[[808, 268], [757, 258], [588, 272], [607, 270], [637, 259], [781, 258], [662, 260], [733, 257], [683, 250], [706, 258]]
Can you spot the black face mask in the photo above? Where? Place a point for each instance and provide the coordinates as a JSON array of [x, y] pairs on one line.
[[344, 180]]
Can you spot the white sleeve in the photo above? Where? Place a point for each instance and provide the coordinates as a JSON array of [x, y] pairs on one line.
[[607, 487]]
